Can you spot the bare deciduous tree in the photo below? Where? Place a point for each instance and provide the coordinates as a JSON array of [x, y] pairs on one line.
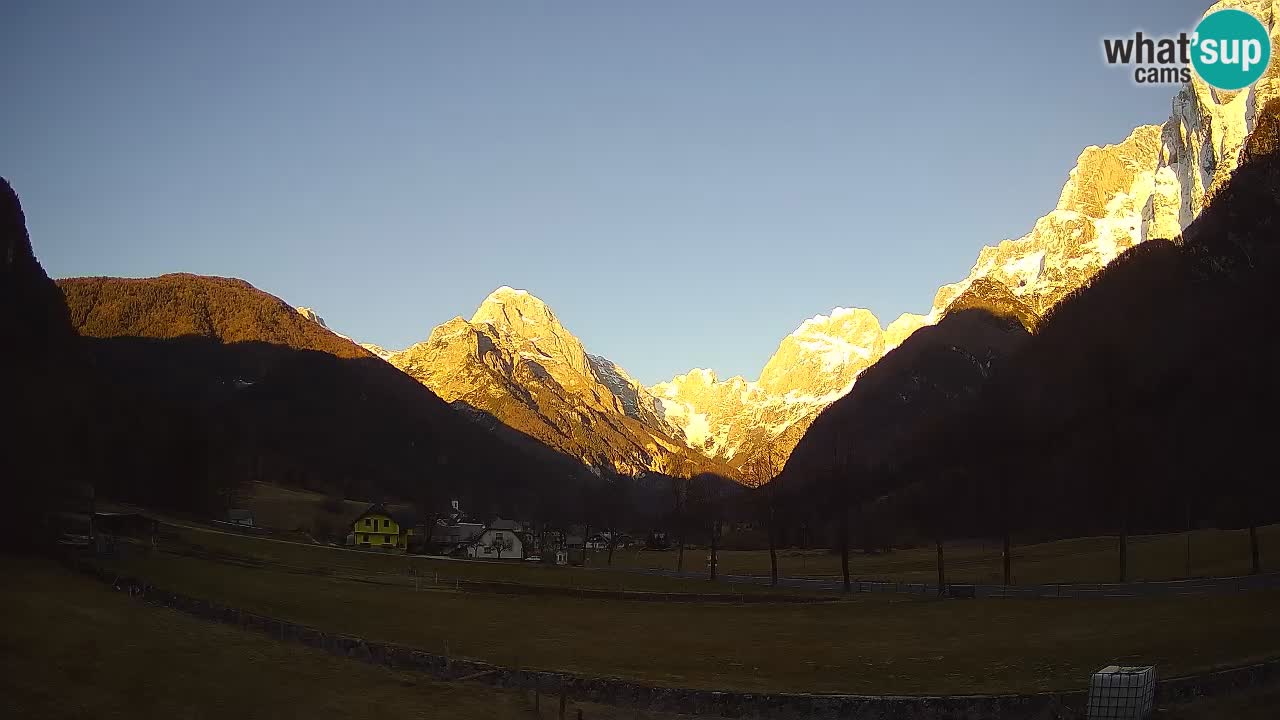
[[839, 480], [680, 499], [500, 543], [761, 474], [708, 507]]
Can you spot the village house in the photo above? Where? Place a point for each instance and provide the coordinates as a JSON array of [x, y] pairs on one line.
[[547, 545], [602, 540], [381, 528], [453, 538], [657, 540], [500, 539], [575, 548]]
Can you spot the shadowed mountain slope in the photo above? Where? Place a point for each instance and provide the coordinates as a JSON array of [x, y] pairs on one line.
[[50, 438], [263, 393], [1146, 399]]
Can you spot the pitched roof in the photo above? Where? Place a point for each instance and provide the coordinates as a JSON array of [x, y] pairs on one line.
[[374, 509], [404, 517], [500, 524], [455, 534]]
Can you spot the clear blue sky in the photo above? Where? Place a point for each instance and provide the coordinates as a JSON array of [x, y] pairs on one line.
[[682, 182]]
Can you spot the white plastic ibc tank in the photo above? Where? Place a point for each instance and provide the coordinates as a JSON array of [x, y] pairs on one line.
[[1122, 692]]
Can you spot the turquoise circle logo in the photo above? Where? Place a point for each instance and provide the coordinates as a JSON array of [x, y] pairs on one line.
[[1232, 49]]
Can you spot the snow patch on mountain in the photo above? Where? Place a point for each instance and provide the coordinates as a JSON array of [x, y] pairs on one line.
[[311, 315], [378, 350], [514, 361], [1151, 184]]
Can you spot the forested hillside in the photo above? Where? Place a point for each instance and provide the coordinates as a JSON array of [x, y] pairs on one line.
[[1144, 401], [241, 387], [51, 437]]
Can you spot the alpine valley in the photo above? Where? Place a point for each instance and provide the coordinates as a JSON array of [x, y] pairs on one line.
[[514, 364]]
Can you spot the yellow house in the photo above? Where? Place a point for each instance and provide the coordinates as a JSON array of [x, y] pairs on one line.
[[381, 528]]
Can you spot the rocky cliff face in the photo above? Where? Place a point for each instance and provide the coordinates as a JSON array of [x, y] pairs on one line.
[[1150, 185], [815, 365], [1097, 217], [378, 350], [514, 362], [314, 317]]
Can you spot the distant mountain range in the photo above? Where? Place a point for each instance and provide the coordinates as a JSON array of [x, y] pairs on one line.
[[182, 384], [241, 386], [1144, 402], [515, 363], [1152, 184]]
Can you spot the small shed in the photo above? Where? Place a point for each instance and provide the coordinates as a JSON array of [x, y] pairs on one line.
[[127, 524], [242, 517], [108, 526]]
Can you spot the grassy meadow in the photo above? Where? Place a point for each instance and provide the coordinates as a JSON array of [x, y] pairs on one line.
[[867, 644], [1260, 703], [73, 648], [401, 570], [1087, 560], [302, 512]]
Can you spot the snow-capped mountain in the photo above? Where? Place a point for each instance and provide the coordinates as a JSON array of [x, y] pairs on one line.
[[1152, 184], [314, 317], [514, 361], [813, 367], [378, 350]]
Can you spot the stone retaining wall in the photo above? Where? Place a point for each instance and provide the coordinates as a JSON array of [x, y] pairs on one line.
[[626, 693]]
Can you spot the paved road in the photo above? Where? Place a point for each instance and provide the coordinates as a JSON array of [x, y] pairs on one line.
[[1199, 586]]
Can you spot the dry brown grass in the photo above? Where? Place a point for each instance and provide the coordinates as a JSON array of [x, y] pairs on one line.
[[1087, 560], [72, 648], [872, 644]]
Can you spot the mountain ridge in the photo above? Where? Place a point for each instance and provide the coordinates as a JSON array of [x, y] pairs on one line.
[[515, 362], [1151, 184], [1143, 403], [267, 392]]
